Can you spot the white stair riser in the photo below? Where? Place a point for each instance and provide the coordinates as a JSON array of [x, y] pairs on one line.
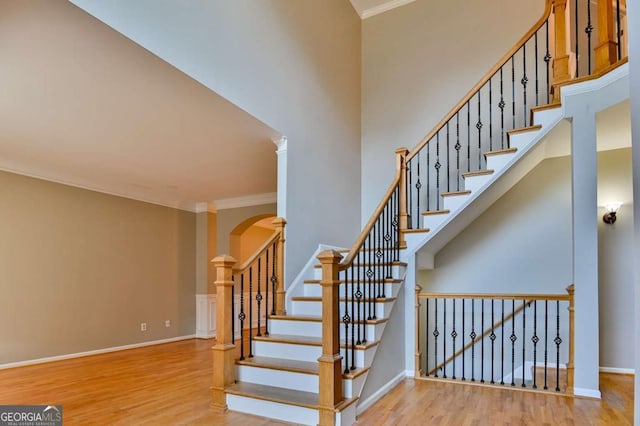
[[315, 290], [546, 117], [396, 271], [432, 221], [314, 329], [273, 410], [474, 183], [453, 203], [363, 357], [521, 140], [284, 379], [498, 162], [353, 387], [381, 310]]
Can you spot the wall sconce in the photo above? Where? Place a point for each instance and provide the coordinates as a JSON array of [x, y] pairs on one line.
[[612, 208]]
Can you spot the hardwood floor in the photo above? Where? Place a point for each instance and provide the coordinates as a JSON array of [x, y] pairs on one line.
[[169, 385]]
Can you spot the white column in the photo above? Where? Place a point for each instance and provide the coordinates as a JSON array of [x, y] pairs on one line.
[[633, 24], [584, 183], [282, 175]]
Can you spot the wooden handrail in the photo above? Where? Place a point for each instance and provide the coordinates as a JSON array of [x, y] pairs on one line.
[[532, 297], [369, 226], [484, 334], [483, 81], [272, 239]]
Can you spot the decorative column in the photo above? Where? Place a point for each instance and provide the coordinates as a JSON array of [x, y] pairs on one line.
[[403, 219], [560, 57], [330, 368], [572, 330], [279, 224], [418, 355], [223, 351], [607, 49]]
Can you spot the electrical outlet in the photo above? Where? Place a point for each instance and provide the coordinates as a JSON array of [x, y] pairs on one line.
[[143, 326], [167, 323]]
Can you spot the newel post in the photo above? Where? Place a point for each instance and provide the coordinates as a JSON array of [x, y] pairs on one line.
[[223, 351], [403, 208], [279, 224], [330, 363], [572, 333], [418, 355], [561, 56], [607, 49]]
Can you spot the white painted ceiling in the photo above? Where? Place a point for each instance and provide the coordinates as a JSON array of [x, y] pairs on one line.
[[83, 105], [368, 8]]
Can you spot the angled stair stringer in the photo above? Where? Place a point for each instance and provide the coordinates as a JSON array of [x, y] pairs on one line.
[[280, 379]]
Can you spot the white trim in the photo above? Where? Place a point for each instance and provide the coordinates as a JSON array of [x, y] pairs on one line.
[[365, 404], [205, 316], [597, 84], [94, 352], [372, 11], [201, 207], [589, 393], [281, 153], [615, 370], [249, 200]]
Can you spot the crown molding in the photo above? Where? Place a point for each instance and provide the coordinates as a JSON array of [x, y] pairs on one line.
[[281, 144], [384, 7], [249, 200]]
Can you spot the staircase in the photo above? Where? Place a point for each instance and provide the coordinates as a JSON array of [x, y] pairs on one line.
[[281, 379]]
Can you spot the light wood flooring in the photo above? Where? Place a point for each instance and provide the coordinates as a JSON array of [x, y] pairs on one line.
[[169, 384]]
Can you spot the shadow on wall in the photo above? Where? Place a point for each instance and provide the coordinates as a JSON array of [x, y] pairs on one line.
[[249, 235]]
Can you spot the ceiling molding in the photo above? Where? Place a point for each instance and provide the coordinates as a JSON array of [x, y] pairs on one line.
[[380, 8], [250, 200]]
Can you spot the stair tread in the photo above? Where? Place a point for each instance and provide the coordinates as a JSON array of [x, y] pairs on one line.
[[275, 394], [306, 340], [501, 152], [305, 367], [478, 173], [455, 193], [364, 280], [435, 212], [316, 318], [532, 128], [416, 230]]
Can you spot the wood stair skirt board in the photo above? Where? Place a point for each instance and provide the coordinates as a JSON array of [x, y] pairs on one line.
[[281, 380]]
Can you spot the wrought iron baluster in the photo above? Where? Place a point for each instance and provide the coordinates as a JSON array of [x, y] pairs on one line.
[[426, 349], [513, 339], [242, 317], [524, 82], [524, 316], [250, 312], [618, 29], [468, 136], [492, 337], [536, 56], [418, 186], [482, 343], [437, 166], [577, 37], [448, 161], [353, 321], [557, 341], [589, 30], [378, 258], [369, 286], [473, 336], [457, 147], [358, 297], [274, 279], [233, 308], [444, 338], [535, 341], [462, 335], [436, 333], [547, 57], [502, 345], [479, 127], [501, 105], [546, 340], [410, 192], [259, 299], [454, 334], [346, 319], [490, 116], [428, 180], [266, 287], [513, 92]]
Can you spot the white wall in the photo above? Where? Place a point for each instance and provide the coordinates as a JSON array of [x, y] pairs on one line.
[[418, 61], [522, 244], [294, 65], [633, 19]]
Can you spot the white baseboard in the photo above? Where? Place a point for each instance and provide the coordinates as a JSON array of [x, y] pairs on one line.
[[365, 404], [589, 393], [615, 370], [94, 352]]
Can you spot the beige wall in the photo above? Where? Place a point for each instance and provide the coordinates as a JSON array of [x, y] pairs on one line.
[[252, 239], [228, 219], [80, 270], [418, 61]]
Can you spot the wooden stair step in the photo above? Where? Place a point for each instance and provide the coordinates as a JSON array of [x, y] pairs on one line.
[[478, 173], [454, 193], [416, 231], [364, 280], [532, 128], [274, 394], [315, 318], [435, 212], [281, 364], [535, 109], [306, 340], [501, 152]]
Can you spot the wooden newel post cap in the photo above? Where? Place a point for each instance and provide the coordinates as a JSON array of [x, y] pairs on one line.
[[402, 150], [279, 221], [571, 289], [329, 256], [224, 260]]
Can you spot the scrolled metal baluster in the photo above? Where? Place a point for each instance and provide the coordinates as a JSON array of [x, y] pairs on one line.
[[524, 316], [462, 335], [346, 320], [436, 333], [454, 334], [426, 349], [502, 345], [589, 30], [473, 336], [577, 37], [468, 135], [457, 147], [418, 186], [482, 344], [448, 161], [242, 317], [490, 116], [546, 340], [444, 338], [513, 92], [250, 312], [513, 339], [259, 299], [618, 29], [501, 105], [537, 71], [410, 191], [437, 166], [479, 127], [524, 81], [492, 337], [547, 58], [557, 341], [535, 340], [266, 287]]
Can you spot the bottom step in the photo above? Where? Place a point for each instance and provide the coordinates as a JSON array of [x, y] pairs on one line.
[[283, 404]]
